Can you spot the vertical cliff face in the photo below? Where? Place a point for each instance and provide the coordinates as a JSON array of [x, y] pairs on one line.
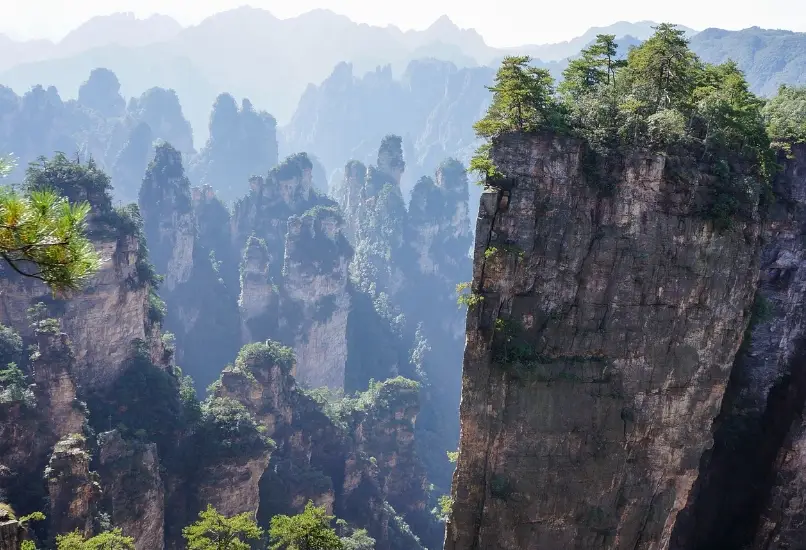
[[72, 490], [111, 310], [294, 273], [384, 430], [102, 321], [349, 196], [72, 493], [11, 532], [168, 218], [233, 486], [376, 218], [316, 298], [748, 492], [56, 398], [440, 222], [110, 354], [202, 312], [598, 354], [133, 490], [258, 301], [286, 191], [50, 409]]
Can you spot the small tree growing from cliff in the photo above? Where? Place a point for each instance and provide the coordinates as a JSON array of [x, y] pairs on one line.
[[309, 530], [214, 531]]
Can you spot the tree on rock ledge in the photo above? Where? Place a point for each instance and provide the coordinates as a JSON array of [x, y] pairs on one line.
[[523, 99]]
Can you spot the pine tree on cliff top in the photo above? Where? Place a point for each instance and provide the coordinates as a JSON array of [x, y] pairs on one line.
[[523, 99]]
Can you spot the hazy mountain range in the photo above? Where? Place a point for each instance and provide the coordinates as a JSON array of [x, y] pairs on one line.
[[250, 53]]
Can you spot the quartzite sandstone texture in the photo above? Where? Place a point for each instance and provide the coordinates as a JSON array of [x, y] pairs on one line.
[[133, 490], [599, 355], [751, 485], [101, 321]]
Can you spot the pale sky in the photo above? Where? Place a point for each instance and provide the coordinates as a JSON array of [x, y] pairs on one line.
[[501, 22]]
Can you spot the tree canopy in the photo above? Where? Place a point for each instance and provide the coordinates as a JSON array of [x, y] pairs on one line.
[[309, 530], [214, 531], [661, 98], [43, 236], [785, 115], [523, 99], [108, 540]]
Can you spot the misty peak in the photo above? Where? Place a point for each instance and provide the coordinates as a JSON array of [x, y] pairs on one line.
[[443, 23]]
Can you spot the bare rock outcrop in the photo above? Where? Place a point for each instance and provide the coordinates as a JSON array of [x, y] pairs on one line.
[[133, 490], [72, 491], [599, 343], [103, 319], [259, 300], [316, 298]]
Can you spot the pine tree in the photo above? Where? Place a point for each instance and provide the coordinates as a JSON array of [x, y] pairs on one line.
[[309, 530], [214, 531], [42, 236]]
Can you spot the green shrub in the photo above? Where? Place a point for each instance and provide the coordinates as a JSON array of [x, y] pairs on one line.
[[156, 308], [10, 346], [266, 353], [227, 428]]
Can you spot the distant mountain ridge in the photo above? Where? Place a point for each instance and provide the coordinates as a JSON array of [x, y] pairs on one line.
[[245, 51], [769, 58], [249, 52], [118, 29]]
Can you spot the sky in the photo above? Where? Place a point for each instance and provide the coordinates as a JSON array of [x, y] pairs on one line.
[[501, 22]]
